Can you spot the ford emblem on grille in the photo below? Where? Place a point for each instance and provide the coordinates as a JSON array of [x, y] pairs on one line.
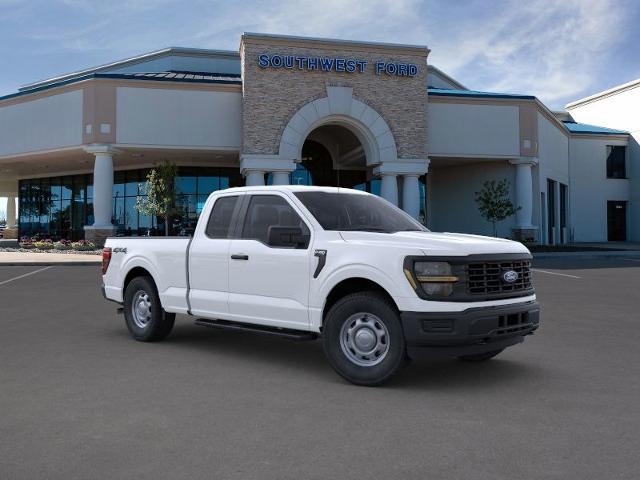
[[510, 276]]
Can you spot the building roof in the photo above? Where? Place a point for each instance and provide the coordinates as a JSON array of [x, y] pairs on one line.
[[575, 127], [177, 76], [145, 57], [604, 93], [171, 76], [443, 92]]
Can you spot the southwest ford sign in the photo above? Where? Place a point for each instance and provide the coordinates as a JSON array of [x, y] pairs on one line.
[[331, 64]]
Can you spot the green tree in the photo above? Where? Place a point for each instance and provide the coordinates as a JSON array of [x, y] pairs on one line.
[[160, 199], [494, 203]]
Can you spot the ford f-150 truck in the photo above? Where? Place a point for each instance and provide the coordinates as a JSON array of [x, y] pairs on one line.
[[349, 267]]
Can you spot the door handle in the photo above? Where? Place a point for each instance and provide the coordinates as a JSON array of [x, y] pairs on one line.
[[239, 256]]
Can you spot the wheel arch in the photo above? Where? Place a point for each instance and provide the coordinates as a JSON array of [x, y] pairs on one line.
[[137, 271], [353, 285]]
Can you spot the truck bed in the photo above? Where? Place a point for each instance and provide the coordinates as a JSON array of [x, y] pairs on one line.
[[165, 258]]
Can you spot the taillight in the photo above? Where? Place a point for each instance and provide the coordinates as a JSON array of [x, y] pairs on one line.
[[106, 258]]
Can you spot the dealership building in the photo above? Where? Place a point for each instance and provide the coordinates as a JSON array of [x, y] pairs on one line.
[[75, 149]]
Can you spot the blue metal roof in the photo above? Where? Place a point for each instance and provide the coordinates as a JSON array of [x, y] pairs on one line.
[[444, 92], [173, 76], [575, 127]]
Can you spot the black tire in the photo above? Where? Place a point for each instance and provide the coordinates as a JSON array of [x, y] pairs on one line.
[[480, 357], [377, 309], [158, 322]]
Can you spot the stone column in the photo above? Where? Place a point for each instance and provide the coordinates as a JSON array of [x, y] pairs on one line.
[[102, 194], [409, 170], [524, 229], [254, 178], [254, 166], [389, 187], [280, 178], [411, 194]]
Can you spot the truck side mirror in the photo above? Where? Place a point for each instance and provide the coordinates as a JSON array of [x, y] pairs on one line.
[[291, 237]]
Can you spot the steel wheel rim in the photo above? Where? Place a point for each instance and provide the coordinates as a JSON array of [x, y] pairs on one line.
[[141, 309], [364, 339]]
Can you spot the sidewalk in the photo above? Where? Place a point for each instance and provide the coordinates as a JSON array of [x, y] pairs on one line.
[[32, 258]]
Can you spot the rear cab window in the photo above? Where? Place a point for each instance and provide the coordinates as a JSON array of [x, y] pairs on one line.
[[221, 219]]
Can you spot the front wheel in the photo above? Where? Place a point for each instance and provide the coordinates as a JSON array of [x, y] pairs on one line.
[[143, 313], [363, 338]]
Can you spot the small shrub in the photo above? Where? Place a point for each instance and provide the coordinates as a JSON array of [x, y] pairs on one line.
[[62, 245], [83, 245], [43, 244]]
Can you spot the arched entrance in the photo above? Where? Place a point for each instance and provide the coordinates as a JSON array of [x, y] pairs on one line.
[[332, 155]]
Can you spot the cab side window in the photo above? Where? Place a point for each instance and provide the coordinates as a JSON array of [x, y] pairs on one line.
[[270, 214], [220, 220]]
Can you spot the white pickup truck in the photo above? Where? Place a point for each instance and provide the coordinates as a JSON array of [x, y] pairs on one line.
[[343, 265]]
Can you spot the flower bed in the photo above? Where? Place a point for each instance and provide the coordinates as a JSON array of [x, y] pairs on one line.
[[47, 245]]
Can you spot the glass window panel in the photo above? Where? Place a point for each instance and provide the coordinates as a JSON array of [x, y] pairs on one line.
[[79, 187], [89, 212], [119, 215], [186, 184], [206, 185], [131, 185], [224, 182], [375, 186], [77, 219], [65, 226], [145, 225], [67, 188], [131, 216], [90, 186], [118, 184], [201, 201]]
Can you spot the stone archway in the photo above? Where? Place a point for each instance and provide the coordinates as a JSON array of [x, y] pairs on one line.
[[340, 108]]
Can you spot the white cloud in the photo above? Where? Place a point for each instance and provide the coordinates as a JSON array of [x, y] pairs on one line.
[[554, 49]]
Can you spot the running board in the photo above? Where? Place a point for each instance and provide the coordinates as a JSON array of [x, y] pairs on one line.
[[297, 335]]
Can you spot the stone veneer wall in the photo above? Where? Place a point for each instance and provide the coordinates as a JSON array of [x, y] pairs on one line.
[[271, 96]]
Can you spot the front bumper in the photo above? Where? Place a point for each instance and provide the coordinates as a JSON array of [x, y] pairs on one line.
[[470, 332]]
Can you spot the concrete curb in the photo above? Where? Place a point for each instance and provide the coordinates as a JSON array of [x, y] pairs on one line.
[[49, 264], [598, 254]]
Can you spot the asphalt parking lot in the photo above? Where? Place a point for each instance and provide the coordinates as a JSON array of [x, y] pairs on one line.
[[80, 399]]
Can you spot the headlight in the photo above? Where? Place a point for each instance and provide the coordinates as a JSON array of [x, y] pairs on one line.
[[435, 278]]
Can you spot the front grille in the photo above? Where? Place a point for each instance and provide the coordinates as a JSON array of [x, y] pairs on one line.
[[485, 278]]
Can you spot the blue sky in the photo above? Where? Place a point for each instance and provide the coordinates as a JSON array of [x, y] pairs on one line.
[[557, 50]]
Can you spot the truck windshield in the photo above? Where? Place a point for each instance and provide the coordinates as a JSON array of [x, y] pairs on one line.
[[357, 212]]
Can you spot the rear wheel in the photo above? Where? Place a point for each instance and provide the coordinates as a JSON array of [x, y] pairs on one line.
[[480, 357], [363, 339], [143, 313]]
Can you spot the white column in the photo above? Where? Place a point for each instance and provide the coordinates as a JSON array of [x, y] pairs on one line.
[[254, 178], [280, 178], [389, 188], [411, 195], [524, 192], [11, 211], [103, 190]]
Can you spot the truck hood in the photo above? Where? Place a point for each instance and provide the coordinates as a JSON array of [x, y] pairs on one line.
[[452, 244]]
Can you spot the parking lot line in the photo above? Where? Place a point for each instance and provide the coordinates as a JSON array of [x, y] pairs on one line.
[[25, 275], [555, 273]]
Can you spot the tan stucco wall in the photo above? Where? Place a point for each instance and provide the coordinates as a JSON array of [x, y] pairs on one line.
[[272, 96]]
